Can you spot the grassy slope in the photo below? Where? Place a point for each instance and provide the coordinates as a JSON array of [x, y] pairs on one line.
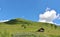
[[22, 26]]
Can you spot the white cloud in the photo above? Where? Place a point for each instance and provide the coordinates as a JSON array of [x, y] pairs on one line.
[[56, 24], [59, 16], [4, 20], [48, 16]]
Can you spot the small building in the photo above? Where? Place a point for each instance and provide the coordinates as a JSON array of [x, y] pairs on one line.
[[41, 30]]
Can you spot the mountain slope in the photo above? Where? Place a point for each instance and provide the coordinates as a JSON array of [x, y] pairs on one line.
[[22, 26]]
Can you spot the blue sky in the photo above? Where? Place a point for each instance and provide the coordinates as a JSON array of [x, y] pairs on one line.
[[28, 9]]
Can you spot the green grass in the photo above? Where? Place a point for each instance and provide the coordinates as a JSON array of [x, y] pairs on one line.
[[26, 28]]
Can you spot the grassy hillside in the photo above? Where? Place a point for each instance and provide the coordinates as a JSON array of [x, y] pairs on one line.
[[26, 28]]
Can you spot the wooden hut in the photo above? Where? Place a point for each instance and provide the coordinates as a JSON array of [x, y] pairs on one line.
[[41, 30]]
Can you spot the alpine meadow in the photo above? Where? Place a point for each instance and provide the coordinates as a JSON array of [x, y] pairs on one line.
[[25, 28]]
